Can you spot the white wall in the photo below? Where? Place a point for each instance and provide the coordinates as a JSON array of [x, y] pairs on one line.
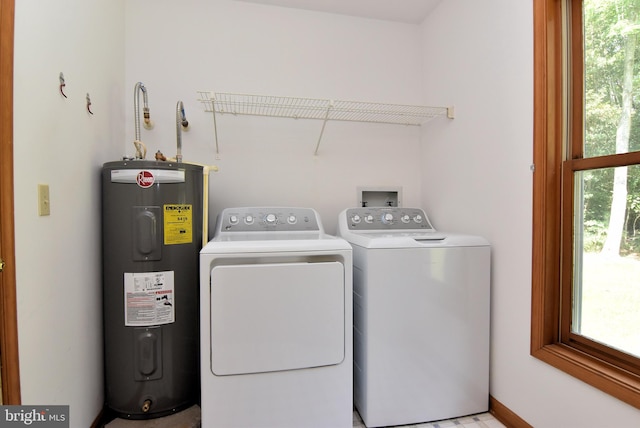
[[471, 174], [235, 47], [477, 179], [57, 142], [177, 48]]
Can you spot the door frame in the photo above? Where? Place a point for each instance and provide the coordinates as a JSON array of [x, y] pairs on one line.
[[10, 369]]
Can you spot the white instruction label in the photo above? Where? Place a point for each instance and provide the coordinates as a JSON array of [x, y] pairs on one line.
[[149, 298]]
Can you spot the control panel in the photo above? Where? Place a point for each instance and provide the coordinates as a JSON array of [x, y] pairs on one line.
[[383, 218], [267, 219]]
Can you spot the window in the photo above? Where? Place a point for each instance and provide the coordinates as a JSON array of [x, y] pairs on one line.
[[586, 269]]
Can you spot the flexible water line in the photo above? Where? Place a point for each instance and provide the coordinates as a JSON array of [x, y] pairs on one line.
[[139, 87], [181, 122]]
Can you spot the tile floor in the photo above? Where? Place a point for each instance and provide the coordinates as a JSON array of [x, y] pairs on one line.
[[482, 420], [190, 418]]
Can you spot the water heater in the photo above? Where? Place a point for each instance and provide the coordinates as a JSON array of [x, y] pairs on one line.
[[152, 216]]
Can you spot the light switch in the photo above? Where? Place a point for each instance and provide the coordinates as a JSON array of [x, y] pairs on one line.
[[44, 204]]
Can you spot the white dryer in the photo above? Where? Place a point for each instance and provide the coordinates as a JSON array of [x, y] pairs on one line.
[[421, 318], [276, 322]]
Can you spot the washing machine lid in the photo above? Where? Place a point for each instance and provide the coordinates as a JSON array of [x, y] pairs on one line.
[[392, 227], [414, 240]]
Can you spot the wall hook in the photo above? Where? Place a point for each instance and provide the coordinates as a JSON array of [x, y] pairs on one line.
[[62, 84], [89, 104]]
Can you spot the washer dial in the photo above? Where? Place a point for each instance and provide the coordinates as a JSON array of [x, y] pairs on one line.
[[387, 218]]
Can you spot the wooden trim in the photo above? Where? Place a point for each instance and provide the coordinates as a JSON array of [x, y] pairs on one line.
[[576, 162], [546, 270], [609, 161], [546, 183], [576, 84], [505, 415], [573, 108], [100, 420], [599, 374], [617, 358], [566, 246], [8, 312]]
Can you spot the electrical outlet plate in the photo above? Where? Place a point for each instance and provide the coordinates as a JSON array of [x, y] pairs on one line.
[[44, 204]]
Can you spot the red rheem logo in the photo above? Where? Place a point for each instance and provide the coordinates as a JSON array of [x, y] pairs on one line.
[[145, 179]]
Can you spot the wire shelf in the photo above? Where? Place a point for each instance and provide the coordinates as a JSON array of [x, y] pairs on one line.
[[220, 103]]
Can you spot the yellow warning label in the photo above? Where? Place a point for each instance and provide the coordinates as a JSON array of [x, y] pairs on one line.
[[178, 224]]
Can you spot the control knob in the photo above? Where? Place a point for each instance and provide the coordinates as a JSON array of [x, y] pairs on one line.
[[387, 218], [417, 218], [405, 218], [368, 218], [356, 219], [233, 219], [270, 219]]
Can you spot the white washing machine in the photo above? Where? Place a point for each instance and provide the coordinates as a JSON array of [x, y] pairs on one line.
[[421, 318], [276, 322]]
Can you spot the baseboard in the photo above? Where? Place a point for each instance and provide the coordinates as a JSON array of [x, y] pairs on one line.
[[98, 421], [104, 417], [505, 415]]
